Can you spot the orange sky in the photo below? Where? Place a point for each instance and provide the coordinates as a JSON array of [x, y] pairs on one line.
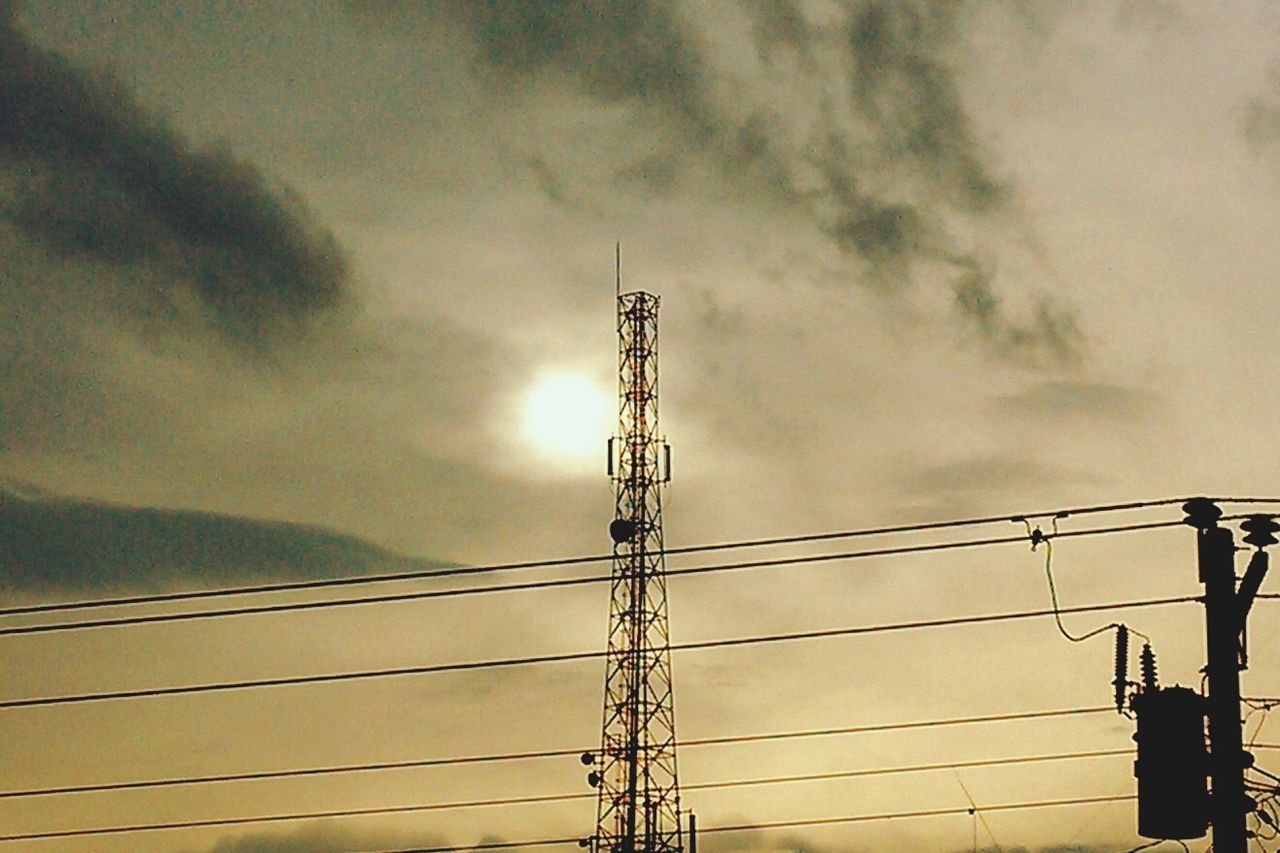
[[304, 264]]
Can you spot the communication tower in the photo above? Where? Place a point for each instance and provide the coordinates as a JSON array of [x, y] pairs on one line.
[[638, 807]]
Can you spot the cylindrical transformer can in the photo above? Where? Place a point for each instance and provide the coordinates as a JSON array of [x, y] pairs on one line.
[[1172, 764]]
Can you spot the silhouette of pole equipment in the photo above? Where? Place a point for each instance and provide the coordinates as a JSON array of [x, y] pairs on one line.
[[1226, 609]]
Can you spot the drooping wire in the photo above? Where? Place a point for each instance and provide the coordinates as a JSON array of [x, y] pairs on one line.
[[1157, 843], [556, 583], [1146, 846], [1038, 538], [743, 827], [723, 740], [922, 813], [1266, 773], [436, 573], [1254, 708], [567, 657], [1264, 816], [1264, 813]]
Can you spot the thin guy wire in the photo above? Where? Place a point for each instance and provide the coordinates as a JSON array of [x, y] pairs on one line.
[[1036, 804], [912, 768], [977, 813], [867, 728], [431, 574], [567, 657], [549, 584]]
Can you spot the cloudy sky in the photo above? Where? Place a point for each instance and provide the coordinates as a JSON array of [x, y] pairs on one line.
[[287, 288]]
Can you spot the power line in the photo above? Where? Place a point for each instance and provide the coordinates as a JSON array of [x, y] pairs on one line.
[[288, 607], [866, 728], [826, 821], [432, 574], [911, 768], [566, 657], [961, 810], [887, 727], [540, 799], [239, 821]]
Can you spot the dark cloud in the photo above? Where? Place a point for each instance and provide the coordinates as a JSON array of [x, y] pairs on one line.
[[1150, 15], [67, 544], [1262, 116], [386, 408], [878, 163], [778, 24], [1052, 330], [658, 174], [622, 50], [548, 182], [639, 52], [1262, 124], [888, 236], [94, 175], [793, 843], [963, 486], [322, 837], [327, 837], [1054, 848], [902, 85], [1057, 400]]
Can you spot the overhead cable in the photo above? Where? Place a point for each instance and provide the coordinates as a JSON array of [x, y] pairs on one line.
[[419, 595], [454, 571], [566, 657], [795, 824], [556, 798], [527, 755]]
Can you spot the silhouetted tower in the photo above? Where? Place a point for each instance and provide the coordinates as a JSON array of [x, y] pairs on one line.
[[638, 808]]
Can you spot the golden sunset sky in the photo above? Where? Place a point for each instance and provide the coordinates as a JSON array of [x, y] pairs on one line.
[[303, 290]]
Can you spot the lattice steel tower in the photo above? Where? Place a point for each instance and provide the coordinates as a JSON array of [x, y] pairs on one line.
[[638, 808]]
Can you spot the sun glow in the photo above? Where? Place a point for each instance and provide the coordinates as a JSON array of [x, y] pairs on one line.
[[567, 416]]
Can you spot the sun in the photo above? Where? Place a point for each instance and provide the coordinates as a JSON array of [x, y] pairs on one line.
[[567, 416]]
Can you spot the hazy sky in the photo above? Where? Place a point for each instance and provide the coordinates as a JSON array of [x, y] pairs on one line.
[[312, 264]]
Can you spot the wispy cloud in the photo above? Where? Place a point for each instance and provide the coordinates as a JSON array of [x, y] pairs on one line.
[[1262, 116], [853, 122]]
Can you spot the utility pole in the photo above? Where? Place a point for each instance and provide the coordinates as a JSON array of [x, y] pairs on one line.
[[638, 805], [1225, 611]]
